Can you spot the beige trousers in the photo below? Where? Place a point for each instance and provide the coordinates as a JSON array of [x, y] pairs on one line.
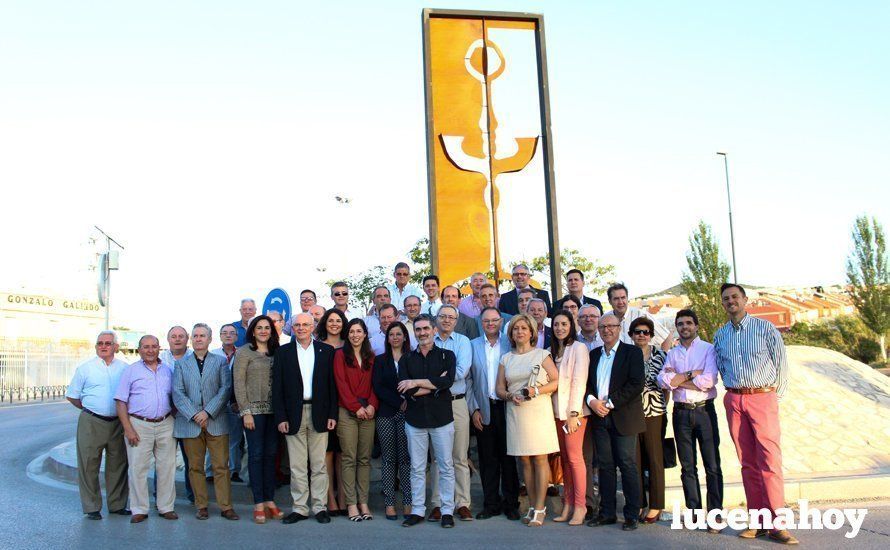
[[156, 444], [196, 448], [356, 443], [308, 447], [459, 455]]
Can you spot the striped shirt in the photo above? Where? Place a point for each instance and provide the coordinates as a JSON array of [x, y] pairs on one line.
[[751, 355]]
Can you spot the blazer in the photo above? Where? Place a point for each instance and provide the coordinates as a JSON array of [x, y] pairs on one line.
[[194, 392], [468, 326], [477, 398], [480, 332], [573, 369], [384, 379], [510, 301], [625, 389], [287, 387], [584, 301]]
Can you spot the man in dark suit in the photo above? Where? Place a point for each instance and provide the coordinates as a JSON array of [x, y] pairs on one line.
[[575, 282], [488, 297], [304, 401], [510, 301], [465, 325], [614, 389]]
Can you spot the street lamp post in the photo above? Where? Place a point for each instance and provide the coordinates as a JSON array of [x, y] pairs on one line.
[[735, 273], [106, 267]]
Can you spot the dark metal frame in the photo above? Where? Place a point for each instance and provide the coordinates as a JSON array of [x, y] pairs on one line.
[[546, 135]]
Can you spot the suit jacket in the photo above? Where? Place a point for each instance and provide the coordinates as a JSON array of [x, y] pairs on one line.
[[477, 398], [510, 301], [194, 392], [468, 326], [384, 379], [585, 300], [479, 330], [287, 387], [625, 389]]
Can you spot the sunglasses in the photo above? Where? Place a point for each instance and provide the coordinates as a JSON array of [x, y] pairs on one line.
[[338, 294], [642, 332]]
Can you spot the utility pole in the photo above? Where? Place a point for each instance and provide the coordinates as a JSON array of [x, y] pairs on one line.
[[107, 263], [735, 273]]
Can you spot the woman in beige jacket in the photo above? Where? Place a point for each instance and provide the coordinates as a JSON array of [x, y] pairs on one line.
[[570, 412]]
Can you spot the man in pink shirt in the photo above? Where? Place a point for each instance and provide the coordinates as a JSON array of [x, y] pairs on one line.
[[690, 373]]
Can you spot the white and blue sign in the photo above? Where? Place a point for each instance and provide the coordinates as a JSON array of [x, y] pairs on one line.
[[277, 300]]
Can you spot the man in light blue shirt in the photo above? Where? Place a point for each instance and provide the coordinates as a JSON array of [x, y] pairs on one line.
[[401, 288], [99, 429], [446, 338]]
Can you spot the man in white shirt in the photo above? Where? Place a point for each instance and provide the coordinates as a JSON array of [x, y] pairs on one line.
[[177, 344], [412, 311], [99, 429], [401, 287], [388, 316], [433, 300], [379, 296], [617, 294]]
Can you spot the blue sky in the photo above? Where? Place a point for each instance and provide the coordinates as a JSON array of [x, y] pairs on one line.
[[211, 137]]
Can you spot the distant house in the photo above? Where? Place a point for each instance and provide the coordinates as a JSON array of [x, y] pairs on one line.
[[776, 313]]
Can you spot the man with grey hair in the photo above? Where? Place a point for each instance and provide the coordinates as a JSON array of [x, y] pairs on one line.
[[537, 309], [401, 287], [177, 348], [509, 302], [99, 429], [465, 325], [470, 305], [248, 312]]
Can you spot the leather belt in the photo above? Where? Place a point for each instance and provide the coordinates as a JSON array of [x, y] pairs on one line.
[[497, 402], [458, 396], [307, 401], [152, 420], [100, 417], [749, 391], [691, 406]]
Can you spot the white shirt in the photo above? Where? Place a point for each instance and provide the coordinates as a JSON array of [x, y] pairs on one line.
[[306, 358], [167, 357], [350, 315], [398, 297], [493, 360], [95, 384], [632, 313], [604, 373], [378, 343], [431, 308]]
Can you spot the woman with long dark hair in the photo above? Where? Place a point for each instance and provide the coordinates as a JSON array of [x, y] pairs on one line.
[[391, 420], [353, 366], [252, 378], [331, 330]]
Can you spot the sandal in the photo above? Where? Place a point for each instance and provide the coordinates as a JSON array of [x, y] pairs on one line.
[[356, 518], [367, 517], [259, 516], [535, 522], [528, 516], [273, 512], [564, 516]]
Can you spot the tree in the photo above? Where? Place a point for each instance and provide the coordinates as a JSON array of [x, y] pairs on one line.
[[869, 279], [596, 276], [420, 257], [362, 285], [707, 271]]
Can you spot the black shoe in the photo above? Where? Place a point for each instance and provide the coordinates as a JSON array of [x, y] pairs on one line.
[[629, 525], [447, 521], [485, 514], [236, 478], [322, 517], [94, 515], [589, 515], [512, 514], [293, 517], [412, 520], [602, 520], [121, 512]]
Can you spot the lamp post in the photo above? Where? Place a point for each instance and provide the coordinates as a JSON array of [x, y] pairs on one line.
[[106, 264], [735, 273]]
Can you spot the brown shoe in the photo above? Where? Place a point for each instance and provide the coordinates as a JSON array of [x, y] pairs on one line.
[[138, 518], [169, 515], [753, 533], [202, 513], [435, 515], [463, 513], [230, 515], [783, 537]]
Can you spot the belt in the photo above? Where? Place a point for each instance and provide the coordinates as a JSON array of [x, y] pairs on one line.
[[307, 401], [496, 402], [749, 391], [691, 406], [152, 420], [100, 417], [458, 396]]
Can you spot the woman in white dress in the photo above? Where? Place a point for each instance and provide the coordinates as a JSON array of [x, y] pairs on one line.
[[526, 376]]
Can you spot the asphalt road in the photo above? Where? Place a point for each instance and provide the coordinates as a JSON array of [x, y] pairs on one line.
[[39, 516]]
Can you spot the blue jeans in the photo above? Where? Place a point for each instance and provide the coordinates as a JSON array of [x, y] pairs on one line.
[[418, 447], [614, 449], [185, 466], [262, 446]]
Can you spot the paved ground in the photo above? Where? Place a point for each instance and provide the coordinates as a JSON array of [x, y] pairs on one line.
[[39, 516]]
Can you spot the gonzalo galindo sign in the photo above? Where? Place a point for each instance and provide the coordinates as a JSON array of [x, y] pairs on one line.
[[739, 519], [38, 303]]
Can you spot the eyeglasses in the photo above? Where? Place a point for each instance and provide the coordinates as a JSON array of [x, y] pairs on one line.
[[338, 294], [520, 274], [306, 298], [491, 321], [588, 317], [104, 343], [447, 317], [642, 332], [609, 327]]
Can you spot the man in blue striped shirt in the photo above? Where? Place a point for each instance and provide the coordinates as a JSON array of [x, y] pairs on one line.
[[751, 361]]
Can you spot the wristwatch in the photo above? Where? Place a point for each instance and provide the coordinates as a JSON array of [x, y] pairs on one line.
[[689, 375], [574, 414]]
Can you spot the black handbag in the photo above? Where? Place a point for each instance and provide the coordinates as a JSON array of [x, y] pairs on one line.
[[669, 449]]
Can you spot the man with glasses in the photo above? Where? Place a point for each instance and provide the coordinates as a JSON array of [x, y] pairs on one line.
[[614, 394], [588, 334], [402, 287], [99, 429], [588, 323], [465, 325], [459, 344], [227, 335], [510, 300], [340, 296], [278, 323], [425, 376], [248, 312], [308, 298]]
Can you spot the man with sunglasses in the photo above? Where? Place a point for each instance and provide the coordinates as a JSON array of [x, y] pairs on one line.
[[402, 287], [99, 429], [340, 296]]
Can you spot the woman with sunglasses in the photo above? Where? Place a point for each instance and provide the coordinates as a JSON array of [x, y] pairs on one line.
[[650, 448]]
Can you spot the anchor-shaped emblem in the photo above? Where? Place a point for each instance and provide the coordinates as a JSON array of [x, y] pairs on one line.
[[485, 62]]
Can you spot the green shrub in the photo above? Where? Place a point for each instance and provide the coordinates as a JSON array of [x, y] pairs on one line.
[[846, 334]]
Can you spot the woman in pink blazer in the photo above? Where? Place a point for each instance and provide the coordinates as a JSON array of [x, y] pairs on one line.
[[570, 412]]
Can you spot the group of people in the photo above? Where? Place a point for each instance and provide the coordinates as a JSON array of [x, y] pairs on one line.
[[421, 372]]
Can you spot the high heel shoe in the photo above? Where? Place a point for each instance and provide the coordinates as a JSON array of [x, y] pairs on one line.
[[273, 512], [528, 516], [565, 515], [535, 522]]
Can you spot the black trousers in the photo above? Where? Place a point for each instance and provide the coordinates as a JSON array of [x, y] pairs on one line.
[[650, 457], [699, 425], [500, 481], [616, 450]]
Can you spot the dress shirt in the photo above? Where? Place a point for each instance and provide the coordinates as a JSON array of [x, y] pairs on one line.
[[306, 360], [661, 333], [591, 343], [373, 324], [167, 357], [230, 360], [463, 353], [147, 393], [470, 306], [432, 410], [378, 343], [493, 361], [95, 384], [699, 356], [751, 355], [398, 296], [604, 373], [540, 344], [431, 308]]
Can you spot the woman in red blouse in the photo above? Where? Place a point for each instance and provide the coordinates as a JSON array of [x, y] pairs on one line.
[[355, 428]]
